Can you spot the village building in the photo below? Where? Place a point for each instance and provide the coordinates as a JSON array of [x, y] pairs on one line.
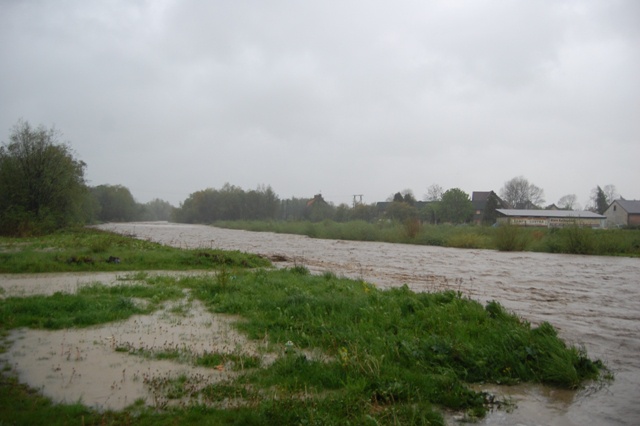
[[550, 218], [623, 213], [479, 200]]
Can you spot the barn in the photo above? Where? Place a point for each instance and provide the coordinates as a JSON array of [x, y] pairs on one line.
[[550, 218], [623, 213]]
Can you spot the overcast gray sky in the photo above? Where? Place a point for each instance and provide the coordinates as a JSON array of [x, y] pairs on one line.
[[346, 97]]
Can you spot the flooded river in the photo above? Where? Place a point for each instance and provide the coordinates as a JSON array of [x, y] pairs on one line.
[[592, 301]]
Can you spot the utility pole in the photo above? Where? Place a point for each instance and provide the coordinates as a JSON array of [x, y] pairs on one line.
[[359, 197]]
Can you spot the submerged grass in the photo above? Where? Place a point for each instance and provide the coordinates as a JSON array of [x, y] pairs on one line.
[[345, 351], [91, 305]]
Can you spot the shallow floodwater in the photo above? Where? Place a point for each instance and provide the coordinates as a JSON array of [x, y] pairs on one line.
[[592, 301]]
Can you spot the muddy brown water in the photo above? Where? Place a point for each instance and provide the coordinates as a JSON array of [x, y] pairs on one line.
[[592, 301]]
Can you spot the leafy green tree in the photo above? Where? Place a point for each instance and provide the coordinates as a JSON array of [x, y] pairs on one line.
[[229, 203], [318, 209], [409, 198], [293, 208], [401, 211], [116, 204], [456, 206], [490, 215], [343, 213], [157, 209], [42, 184], [366, 212], [430, 213], [197, 208]]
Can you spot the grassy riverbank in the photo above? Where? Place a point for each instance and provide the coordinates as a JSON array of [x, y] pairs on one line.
[[86, 250], [605, 242], [342, 350]]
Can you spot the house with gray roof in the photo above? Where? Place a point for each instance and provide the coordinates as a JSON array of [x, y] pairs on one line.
[[480, 200], [550, 218], [623, 213]]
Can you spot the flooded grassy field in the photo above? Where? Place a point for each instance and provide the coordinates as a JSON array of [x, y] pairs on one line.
[[592, 301]]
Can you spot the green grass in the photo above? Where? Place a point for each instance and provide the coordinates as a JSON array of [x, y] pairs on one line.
[[91, 305], [345, 351], [90, 250], [604, 242]]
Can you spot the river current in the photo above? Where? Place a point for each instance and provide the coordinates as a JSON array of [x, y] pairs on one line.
[[592, 301]]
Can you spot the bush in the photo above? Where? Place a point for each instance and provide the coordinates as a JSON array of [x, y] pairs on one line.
[[412, 227], [510, 238], [572, 240], [466, 240]]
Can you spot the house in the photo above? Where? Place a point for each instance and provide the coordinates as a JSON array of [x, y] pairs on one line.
[[479, 200], [623, 213], [550, 218]]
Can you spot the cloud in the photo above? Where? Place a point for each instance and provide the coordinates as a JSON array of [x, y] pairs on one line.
[[169, 97]]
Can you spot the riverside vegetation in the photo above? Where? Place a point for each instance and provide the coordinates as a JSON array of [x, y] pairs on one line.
[[387, 356], [573, 239]]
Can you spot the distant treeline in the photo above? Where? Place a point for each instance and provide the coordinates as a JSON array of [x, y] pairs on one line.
[[43, 189], [231, 203], [114, 203]]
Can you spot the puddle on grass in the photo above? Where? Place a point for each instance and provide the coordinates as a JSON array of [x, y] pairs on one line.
[[23, 285], [94, 366]]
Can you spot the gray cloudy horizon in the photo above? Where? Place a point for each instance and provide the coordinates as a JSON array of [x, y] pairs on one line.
[[354, 97]]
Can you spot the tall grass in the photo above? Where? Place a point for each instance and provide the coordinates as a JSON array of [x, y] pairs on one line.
[[511, 238], [624, 242]]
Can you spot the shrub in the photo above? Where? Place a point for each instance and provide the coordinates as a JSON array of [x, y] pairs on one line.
[[578, 240], [510, 238], [466, 240], [412, 227]]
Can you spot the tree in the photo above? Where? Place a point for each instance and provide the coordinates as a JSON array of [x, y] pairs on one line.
[[318, 209], [611, 193], [520, 194], [366, 212], [568, 202], [490, 214], [408, 197], [157, 209], [456, 206], [116, 203], [600, 200], [42, 184], [401, 211], [233, 203], [434, 193]]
